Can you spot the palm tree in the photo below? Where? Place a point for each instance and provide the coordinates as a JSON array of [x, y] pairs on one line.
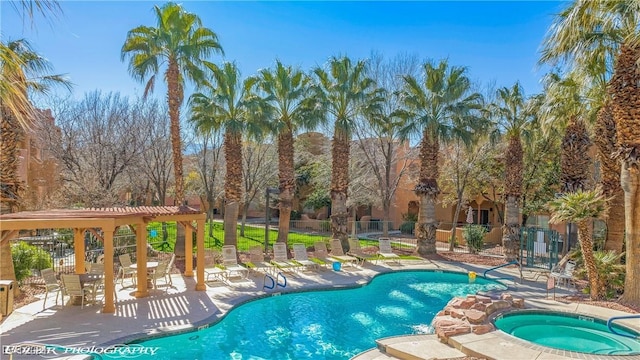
[[346, 92], [513, 119], [434, 109], [22, 71], [605, 33], [229, 103], [581, 207], [287, 91], [180, 41]]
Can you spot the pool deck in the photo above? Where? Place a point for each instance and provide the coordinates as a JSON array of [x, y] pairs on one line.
[[181, 308]]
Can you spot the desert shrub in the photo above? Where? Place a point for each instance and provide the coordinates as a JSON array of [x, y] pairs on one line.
[[474, 236], [28, 257], [407, 227]]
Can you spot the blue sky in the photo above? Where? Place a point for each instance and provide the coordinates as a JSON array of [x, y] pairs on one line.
[[497, 41]]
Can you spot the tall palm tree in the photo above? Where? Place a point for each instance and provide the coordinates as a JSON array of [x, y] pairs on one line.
[[346, 92], [287, 91], [564, 108], [181, 42], [433, 108], [228, 102], [22, 71], [581, 207], [606, 33], [510, 110]]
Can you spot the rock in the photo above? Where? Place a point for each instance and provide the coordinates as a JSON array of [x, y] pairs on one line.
[[475, 316], [480, 306], [482, 329], [467, 303], [497, 305], [483, 299], [518, 303], [457, 313], [506, 297]]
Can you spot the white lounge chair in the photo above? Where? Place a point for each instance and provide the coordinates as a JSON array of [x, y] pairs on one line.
[[281, 259], [300, 256], [230, 262], [385, 251], [338, 253], [321, 254], [356, 251], [212, 270], [256, 257]]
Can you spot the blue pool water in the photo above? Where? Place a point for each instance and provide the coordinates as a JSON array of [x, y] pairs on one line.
[[335, 324], [568, 332]]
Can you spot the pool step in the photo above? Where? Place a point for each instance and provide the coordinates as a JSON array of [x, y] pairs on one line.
[[417, 347]]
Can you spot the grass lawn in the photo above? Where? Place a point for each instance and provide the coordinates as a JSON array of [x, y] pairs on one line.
[[214, 237]]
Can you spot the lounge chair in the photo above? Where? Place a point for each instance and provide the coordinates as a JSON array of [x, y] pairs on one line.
[[125, 269], [564, 274], [51, 284], [356, 251], [280, 257], [321, 254], [338, 253], [300, 256], [230, 262], [256, 257], [212, 270], [385, 252], [73, 287]]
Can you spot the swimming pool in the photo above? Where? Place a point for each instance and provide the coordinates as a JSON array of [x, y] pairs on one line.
[[330, 324], [567, 331]]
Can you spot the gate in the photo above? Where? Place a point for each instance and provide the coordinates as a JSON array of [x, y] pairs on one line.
[[538, 247]]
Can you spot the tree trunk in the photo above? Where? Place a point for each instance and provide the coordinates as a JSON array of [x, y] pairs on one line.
[[232, 186], [615, 223], [286, 175], [243, 220], [174, 98], [511, 229], [426, 226], [630, 180], [585, 238], [385, 219], [454, 223], [339, 186]]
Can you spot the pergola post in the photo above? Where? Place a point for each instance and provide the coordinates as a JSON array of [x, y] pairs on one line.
[[188, 250], [141, 260], [109, 285], [200, 286], [78, 247]]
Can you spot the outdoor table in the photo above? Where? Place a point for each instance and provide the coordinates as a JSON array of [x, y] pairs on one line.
[[151, 266], [88, 280]]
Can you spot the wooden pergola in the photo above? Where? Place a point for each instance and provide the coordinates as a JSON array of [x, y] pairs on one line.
[[109, 220]]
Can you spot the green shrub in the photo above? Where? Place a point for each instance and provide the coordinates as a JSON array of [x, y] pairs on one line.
[[407, 227], [28, 257], [410, 217], [296, 215], [474, 236]]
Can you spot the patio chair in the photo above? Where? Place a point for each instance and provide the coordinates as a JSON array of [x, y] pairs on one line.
[[97, 269], [338, 253], [321, 254], [161, 273], [356, 251], [256, 257], [385, 252], [73, 288], [300, 256], [211, 269], [564, 274], [125, 269], [230, 262], [281, 259], [51, 284]]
